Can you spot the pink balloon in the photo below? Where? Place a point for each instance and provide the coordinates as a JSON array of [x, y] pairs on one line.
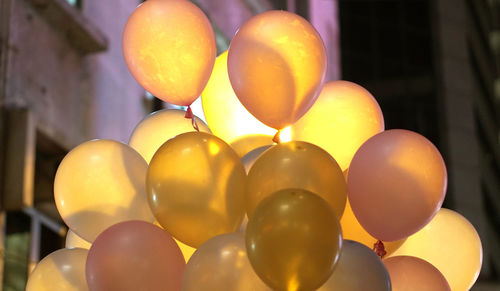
[[134, 255], [396, 184]]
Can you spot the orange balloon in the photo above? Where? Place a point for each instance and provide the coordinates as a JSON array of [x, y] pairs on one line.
[[134, 255], [396, 184], [414, 274], [296, 164], [169, 47], [277, 66], [340, 121]]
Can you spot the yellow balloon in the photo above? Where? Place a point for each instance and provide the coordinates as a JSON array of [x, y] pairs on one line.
[[451, 244], [277, 66], [249, 159], [196, 185], [62, 270], [224, 113], [358, 269], [74, 241], [221, 263], [158, 127], [293, 240], [296, 164], [186, 250], [169, 47], [340, 121], [100, 183], [247, 143]]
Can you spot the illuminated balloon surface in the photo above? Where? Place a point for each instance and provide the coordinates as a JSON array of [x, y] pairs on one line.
[[249, 159], [100, 183], [134, 255], [186, 250], [340, 121], [158, 127], [225, 114], [293, 240], [74, 241], [196, 185], [277, 66], [451, 244], [62, 270], [221, 263], [169, 47], [357, 269], [296, 164], [396, 184], [414, 274]]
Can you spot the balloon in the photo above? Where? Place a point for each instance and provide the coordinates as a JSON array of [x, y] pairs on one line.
[[196, 185], [293, 240], [396, 184], [247, 143], [158, 127], [358, 268], [296, 164], [100, 183], [186, 250], [169, 47], [249, 159], [62, 270], [452, 245], [340, 121], [221, 263], [225, 114], [277, 65], [414, 274], [74, 241], [134, 255]]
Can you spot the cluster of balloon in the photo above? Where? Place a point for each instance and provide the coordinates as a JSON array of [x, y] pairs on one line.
[[313, 208]]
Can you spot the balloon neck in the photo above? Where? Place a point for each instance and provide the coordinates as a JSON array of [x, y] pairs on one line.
[[190, 115], [276, 137], [379, 249]]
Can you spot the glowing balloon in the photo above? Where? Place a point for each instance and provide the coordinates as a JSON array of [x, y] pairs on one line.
[[186, 250], [396, 184], [414, 274], [296, 164], [100, 183], [247, 143], [62, 270], [358, 268], [158, 127], [74, 241], [293, 240], [224, 113], [249, 159], [221, 263], [340, 121], [196, 185], [277, 66], [451, 244], [134, 255], [169, 47]]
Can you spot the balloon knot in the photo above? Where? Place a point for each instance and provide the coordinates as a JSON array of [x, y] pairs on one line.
[[190, 115], [379, 249], [276, 137]]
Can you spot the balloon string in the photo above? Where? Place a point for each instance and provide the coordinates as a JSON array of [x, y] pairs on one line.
[[276, 137], [190, 115], [379, 249]]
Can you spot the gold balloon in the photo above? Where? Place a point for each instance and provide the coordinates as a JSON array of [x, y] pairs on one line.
[[74, 241], [277, 66], [293, 240], [340, 121], [221, 263], [186, 250], [296, 164], [158, 127], [397, 183], [249, 159], [196, 185], [62, 270], [451, 244], [224, 113], [247, 143], [169, 47], [100, 183], [358, 269], [414, 274]]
